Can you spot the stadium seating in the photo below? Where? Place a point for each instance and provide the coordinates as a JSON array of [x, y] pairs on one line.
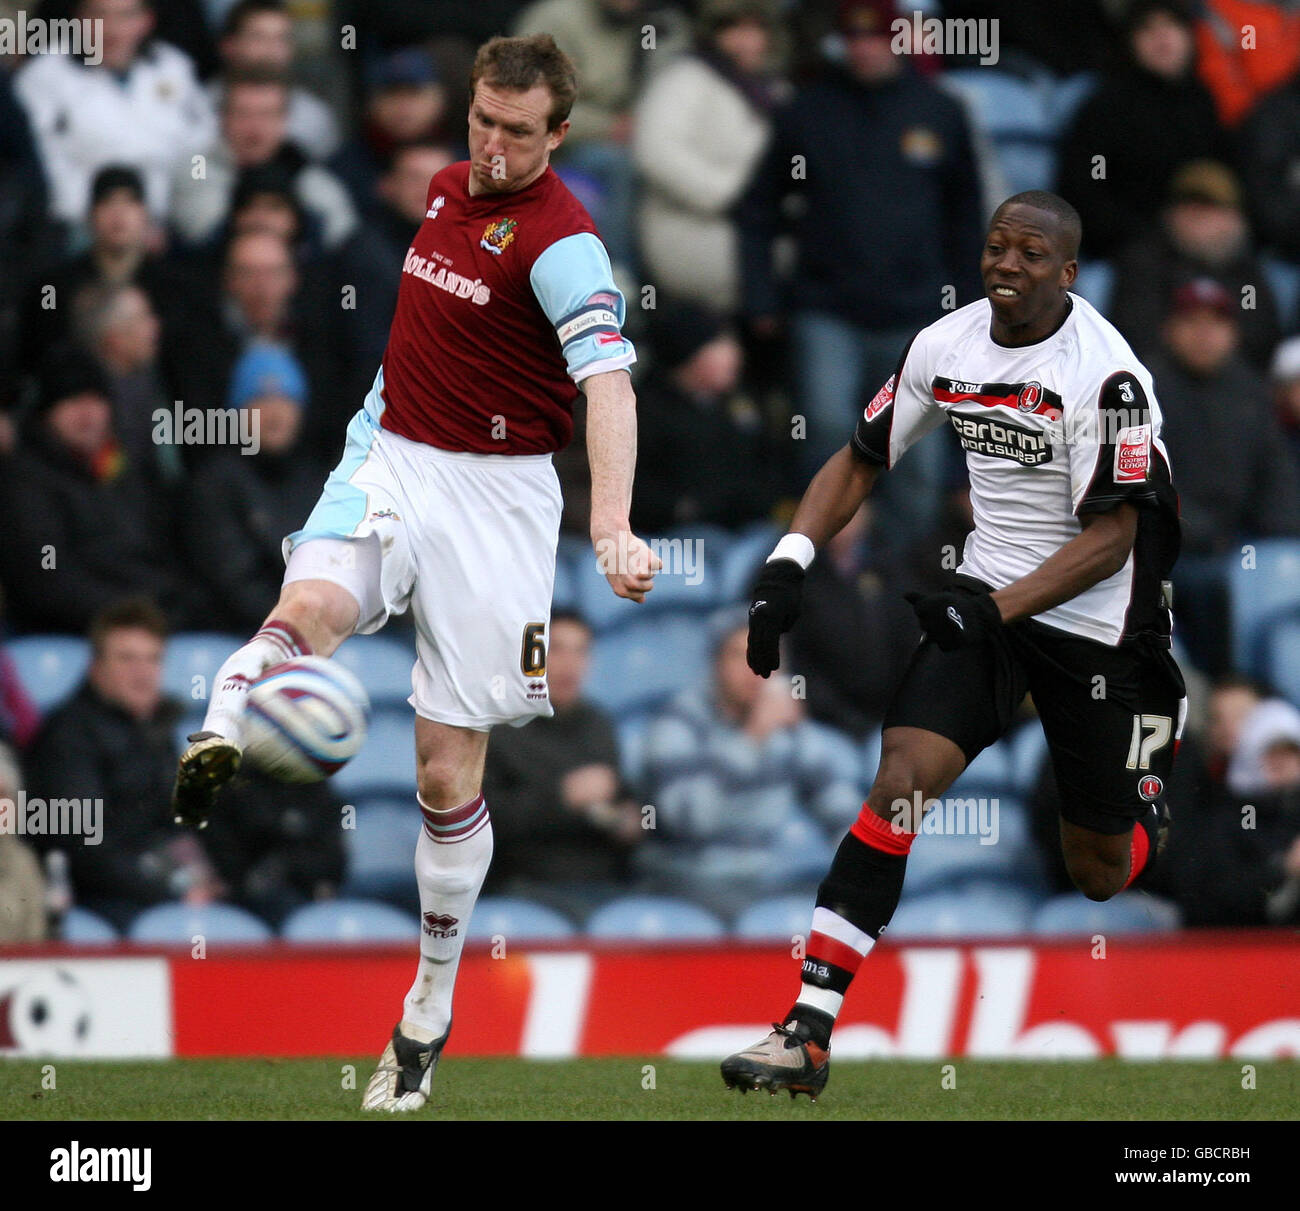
[[517, 920], [645, 662], [349, 921], [191, 661], [1281, 658], [382, 665], [776, 920], [50, 667], [386, 763], [742, 560], [1130, 912], [977, 911], [81, 927], [1284, 278], [943, 861], [1013, 111], [631, 746], [1261, 596], [653, 919], [381, 850], [180, 924], [1096, 283]]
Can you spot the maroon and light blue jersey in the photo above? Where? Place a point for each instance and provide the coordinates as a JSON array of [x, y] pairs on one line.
[[506, 302]]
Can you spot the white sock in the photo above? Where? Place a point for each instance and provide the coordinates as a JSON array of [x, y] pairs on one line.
[[451, 862], [275, 643]]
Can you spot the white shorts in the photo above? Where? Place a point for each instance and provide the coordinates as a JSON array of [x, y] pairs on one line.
[[467, 542]]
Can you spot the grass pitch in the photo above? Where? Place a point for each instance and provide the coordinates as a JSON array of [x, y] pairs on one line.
[[651, 1089]]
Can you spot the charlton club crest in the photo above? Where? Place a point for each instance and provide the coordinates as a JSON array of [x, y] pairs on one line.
[[498, 235]]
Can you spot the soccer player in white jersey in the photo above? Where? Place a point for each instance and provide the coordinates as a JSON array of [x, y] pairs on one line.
[[446, 502], [1062, 588]]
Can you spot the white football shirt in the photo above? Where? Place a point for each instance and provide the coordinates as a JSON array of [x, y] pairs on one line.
[[1051, 430]]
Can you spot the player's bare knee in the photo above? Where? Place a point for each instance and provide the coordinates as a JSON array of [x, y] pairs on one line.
[[325, 612], [1095, 877], [443, 782]]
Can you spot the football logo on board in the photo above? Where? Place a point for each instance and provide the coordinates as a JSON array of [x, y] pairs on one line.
[[498, 235]]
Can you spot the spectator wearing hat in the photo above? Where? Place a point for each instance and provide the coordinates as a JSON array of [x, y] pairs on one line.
[[259, 34], [1249, 868], [1203, 233], [1284, 376], [608, 46], [703, 455], [119, 252], [254, 134], [80, 532], [1236, 479], [405, 103], [239, 506], [140, 104], [741, 782], [701, 126], [1147, 118], [889, 220]]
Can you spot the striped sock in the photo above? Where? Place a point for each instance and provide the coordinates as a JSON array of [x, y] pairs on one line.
[[451, 861], [854, 904], [275, 643]]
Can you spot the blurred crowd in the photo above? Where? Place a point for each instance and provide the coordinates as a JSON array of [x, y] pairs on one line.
[[201, 237]]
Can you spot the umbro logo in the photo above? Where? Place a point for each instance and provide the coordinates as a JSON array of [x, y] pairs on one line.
[[438, 203]]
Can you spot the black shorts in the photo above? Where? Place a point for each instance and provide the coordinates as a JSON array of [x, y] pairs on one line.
[[1111, 715]]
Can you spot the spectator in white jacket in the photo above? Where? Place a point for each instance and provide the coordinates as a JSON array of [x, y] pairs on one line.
[[701, 126], [254, 135], [140, 104]]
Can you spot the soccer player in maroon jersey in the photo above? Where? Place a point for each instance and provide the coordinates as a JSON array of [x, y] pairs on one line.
[[445, 501]]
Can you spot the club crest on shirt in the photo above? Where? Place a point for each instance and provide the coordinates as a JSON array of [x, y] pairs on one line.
[[498, 235]]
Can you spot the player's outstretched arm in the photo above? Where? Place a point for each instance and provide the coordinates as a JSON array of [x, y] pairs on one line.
[[834, 496], [628, 563]]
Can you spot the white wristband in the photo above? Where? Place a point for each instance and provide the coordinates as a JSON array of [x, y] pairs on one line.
[[798, 547]]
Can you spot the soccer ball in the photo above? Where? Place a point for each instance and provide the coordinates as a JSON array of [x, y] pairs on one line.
[[305, 719]]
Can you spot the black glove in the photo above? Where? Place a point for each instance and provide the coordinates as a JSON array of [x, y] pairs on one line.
[[956, 618], [778, 593]]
